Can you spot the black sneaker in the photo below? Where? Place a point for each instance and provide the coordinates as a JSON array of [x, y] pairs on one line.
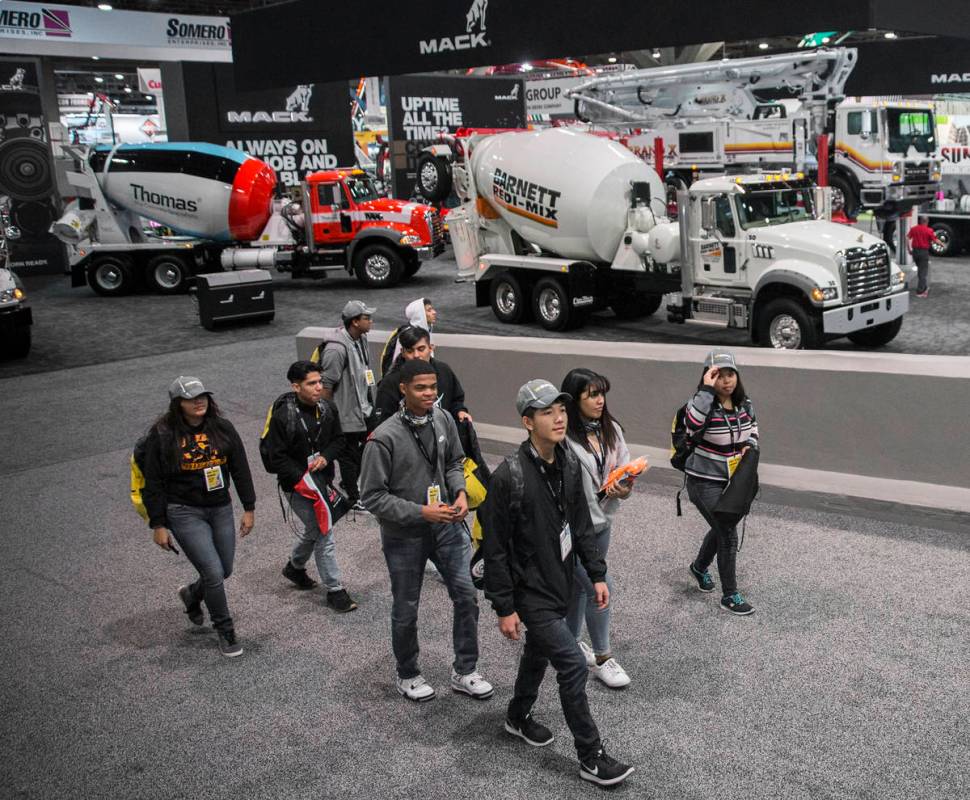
[[530, 731], [192, 607], [228, 644], [704, 580], [298, 576], [603, 770], [340, 601], [736, 604], [359, 508]]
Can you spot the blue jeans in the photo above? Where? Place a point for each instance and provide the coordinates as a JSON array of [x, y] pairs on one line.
[[310, 540], [583, 605], [207, 536], [450, 551], [554, 643]]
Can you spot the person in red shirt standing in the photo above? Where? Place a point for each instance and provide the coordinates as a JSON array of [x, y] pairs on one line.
[[920, 237]]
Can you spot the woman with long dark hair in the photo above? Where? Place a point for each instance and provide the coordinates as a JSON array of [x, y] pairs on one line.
[[192, 454], [720, 420], [597, 440]]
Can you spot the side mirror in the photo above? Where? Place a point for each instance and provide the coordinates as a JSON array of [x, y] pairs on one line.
[[707, 214]]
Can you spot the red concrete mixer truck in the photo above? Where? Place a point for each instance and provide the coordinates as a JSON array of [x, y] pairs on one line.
[[555, 224], [209, 207]]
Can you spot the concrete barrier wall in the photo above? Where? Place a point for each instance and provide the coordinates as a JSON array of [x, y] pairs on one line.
[[825, 416]]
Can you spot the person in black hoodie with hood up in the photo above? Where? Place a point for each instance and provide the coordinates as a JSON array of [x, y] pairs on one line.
[[536, 523]]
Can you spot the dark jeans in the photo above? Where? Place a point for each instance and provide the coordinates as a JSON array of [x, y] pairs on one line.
[[349, 461], [721, 540], [922, 258], [553, 643], [450, 551], [207, 536], [889, 233]]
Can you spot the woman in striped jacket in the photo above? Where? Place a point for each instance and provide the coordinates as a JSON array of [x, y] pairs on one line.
[[721, 423]]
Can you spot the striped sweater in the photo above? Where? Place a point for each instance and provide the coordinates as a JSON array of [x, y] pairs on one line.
[[727, 434]]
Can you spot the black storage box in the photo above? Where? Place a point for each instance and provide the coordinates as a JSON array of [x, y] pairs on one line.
[[241, 296]]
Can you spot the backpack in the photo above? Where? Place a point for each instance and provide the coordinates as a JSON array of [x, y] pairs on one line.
[[387, 354], [137, 479], [516, 493], [317, 355], [292, 420]]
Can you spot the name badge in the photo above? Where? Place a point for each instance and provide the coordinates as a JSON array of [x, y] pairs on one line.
[[369, 376], [434, 494], [732, 464], [565, 541], [213, 479]]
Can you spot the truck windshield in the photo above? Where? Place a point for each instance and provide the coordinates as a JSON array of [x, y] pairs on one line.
[[909, 127], [775, 207], [362, 190]]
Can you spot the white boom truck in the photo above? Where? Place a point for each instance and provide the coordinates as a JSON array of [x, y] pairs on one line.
[[559, 223], [768, 112]]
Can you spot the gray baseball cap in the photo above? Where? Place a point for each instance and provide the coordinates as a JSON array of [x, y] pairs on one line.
[[187, 388], [355, 308], [538, 393], [720, 359]]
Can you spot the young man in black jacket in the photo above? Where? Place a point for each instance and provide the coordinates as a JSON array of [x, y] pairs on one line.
[[303, 433], [536, 522]]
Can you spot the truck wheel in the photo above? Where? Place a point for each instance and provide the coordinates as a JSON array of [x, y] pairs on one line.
[[17, 344], [784, 324], [434, 177], [844, 196], [949, 244], [378, 266], [553, 306], [635, 305], [110, 276], [168, 274], [411, 268], [509, 300], [877, 336]]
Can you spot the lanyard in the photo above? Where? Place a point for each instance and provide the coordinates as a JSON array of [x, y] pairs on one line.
[[600, 457], [727, 421], [312, 443], [557, 498], [362, 351], [432, 457]]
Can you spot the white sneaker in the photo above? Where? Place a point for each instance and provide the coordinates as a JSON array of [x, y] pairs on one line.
[[473, 684], [416, 689], [611, 673], [588, 652]]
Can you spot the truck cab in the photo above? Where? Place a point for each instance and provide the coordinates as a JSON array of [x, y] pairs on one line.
[[885, 152], [757, 255]]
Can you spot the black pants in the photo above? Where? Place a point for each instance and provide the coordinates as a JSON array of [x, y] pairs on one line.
[[922, 258], [721, 540], [889, 233], [349, 461], [553, 643]]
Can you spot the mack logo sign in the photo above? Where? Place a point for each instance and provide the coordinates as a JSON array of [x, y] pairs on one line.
[[297, 110], [470, 39], [951, 77]]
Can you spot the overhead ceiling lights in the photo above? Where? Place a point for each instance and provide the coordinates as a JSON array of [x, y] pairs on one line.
[[655, 54], [527, 67], [119, 76], [95, 58], [149, 97], [763, 46], [127, 90], [612, 59], [889, 35], [98, 79], [104, 6], [826, 40]]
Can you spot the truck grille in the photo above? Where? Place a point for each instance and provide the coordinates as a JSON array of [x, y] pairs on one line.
[[437, 227], [917, 174], [866, 271]]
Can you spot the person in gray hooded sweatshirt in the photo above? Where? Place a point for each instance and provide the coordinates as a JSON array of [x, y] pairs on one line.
[[412, 481]]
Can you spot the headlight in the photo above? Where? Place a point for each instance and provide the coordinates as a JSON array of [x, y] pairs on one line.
[[410, 239], [898, 168], [828, 293], [11, 295], [899, 278]]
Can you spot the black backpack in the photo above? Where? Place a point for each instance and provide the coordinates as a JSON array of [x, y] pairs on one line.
[[136, 465], [291, 422], [681, 442], [515, 508]]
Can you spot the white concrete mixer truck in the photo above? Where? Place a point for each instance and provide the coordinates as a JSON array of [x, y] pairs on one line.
[[556, 224], [212, 207]]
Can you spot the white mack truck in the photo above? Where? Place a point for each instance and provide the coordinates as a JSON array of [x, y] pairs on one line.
[[555, 224]]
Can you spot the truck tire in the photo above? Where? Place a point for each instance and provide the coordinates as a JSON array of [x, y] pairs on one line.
[[877, 336], [784, 324], [434, 177], [510, 303], [17, 344], [950, 243], [635, 305], [110, 275], [411, 268], [168, 274], [842, 188], [378, 266], [553, 307]]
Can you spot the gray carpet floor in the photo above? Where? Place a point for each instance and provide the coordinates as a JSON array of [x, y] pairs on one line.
[[849, 681]]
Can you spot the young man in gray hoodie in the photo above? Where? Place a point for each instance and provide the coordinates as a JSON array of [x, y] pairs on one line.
[[412, 481]]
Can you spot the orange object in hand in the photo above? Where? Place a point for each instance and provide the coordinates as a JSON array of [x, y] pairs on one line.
[[620, 474]]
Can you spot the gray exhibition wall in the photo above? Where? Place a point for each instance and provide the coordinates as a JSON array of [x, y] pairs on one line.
[[885, 416]]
